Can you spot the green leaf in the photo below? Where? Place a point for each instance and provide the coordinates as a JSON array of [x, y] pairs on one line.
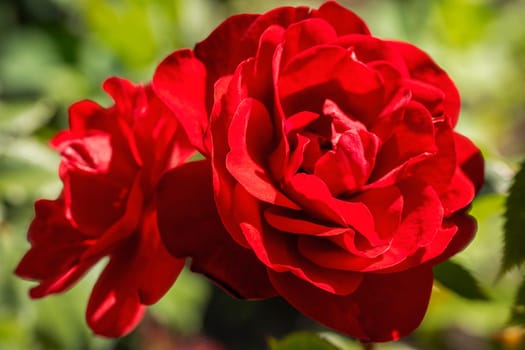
[[514, 239], [518, 309], [459, 280], [303, 341]]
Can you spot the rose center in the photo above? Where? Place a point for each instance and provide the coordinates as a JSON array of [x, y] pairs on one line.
[[334, 146]]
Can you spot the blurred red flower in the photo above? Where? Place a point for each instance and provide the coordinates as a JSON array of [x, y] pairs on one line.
[[112, 159]]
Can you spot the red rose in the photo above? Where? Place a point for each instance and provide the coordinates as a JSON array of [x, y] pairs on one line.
[[112, 159], [338, 178]]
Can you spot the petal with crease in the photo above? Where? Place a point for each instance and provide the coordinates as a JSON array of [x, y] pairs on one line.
[[383, 308], [180, 82], [250, 138], [190, 227]]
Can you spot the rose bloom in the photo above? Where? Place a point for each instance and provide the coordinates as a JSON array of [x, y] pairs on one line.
[[112, 159], [338, 178]]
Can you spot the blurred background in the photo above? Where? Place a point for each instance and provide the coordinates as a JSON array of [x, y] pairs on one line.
[[54, 52]]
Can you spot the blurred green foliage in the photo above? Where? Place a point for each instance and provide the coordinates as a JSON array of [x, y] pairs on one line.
[[306, 341], [54, 52]]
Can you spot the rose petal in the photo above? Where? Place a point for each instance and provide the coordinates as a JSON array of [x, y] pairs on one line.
[[91, 153], [139, 273], [433, 249], [420, 224], [438, 169], [229, 92], [347, 168], [114, 307], [421, 218], [340, 120], [180, 82], [262, 83], [360, 245], [56, 267], [88, 119], [371, 50], [413, 137], [123, 93], [459, 193], [428, 95], [277, 250], [299, 120], [250, 138], [242, 34], [314, 197], [153, 269], [190, 226], [455, 234], [470, 160], [383, 308], [424, 69], [281, 16], [60, 282], [305, 85], [279, 157], [220, 51], [343, 20], [160, 140], [333, 255], [93, 203], [295, 158], [41, 262], [123, 226], [81, 113], [305, 34], [386, 206], [466, 228], [293, 221]]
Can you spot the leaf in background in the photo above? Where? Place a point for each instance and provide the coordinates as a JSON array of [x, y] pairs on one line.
[[518, 309], [303, 341], [462, 22], [26, 60], [345, 343], [414, 17], [22, 119], [131, 28], [28, 170], [514, 239], [459, 280]]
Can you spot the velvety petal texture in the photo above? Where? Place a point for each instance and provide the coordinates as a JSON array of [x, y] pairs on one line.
[[112, 161], [337, 175], [194, 230]]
